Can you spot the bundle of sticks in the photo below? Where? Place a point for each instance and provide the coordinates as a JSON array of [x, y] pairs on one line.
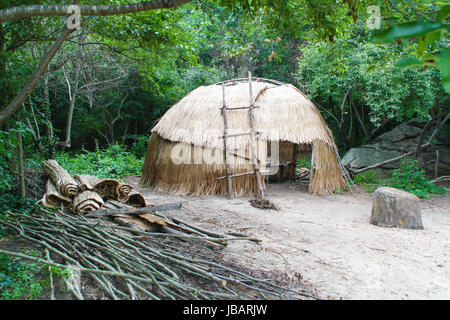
[[84, 193], [125, 265]]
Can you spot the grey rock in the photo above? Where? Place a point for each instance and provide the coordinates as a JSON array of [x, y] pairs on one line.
[[402, 139]]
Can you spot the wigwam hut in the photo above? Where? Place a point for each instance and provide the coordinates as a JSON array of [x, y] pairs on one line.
[[229, 122]]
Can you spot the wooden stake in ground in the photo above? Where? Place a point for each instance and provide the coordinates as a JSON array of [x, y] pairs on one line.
[[225, 143], [252, 138]]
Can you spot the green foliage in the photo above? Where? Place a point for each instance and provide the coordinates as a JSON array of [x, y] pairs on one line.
[[6, 176], [369, 180], [407, 177], [139, 147], [18, 280], [11, 202], [410, 178], [380, 90], [430, 39], [113, 162], [8, 150]]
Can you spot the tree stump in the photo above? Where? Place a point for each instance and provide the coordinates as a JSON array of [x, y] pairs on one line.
[[396, 208]]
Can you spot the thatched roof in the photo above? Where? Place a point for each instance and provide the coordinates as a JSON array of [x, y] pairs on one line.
[[284, 113]]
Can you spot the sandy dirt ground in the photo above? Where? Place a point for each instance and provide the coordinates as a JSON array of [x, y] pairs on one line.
[[329, 241]]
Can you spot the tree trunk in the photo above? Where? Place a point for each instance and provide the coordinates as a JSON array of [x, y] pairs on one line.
[[396, 208]]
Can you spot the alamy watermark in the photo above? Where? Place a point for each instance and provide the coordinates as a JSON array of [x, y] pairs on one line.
[[374, 20], [74, 20], [212, 151]]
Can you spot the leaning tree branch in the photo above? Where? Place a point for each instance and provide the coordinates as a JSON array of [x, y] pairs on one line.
[[6, 113], [86, 10]]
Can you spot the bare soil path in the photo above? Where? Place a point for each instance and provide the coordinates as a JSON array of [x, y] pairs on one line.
[[328, 241]]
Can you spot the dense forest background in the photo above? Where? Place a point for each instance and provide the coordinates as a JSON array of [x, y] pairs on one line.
[[116, 76]]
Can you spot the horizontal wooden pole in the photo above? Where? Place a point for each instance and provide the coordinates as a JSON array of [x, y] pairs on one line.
[[238, 134], [242, 174], [133, 211]]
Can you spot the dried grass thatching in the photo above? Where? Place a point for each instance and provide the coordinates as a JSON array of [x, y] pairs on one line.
[[195, 125]]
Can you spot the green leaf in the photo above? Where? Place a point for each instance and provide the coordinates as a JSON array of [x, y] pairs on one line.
[[444, 65], [407, 30]]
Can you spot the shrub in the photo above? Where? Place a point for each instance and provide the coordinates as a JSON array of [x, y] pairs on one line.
[[369, 180], [6, 177], [139, 147], [114, 162], [410, 178], [17, 279]]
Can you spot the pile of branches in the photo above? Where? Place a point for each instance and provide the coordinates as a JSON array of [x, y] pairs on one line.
[[129, 264]]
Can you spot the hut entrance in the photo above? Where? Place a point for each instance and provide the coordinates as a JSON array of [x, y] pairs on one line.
[[293, 159]]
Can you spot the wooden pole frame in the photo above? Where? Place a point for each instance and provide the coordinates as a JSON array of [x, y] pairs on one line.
[[253, 139], [225, 143]]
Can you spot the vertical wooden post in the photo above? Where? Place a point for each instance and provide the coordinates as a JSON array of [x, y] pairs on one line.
[[21, 171], [252, 138], [311, 170], [225, 143], [436, 164]]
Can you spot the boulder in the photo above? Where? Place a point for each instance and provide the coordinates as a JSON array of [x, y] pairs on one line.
[[396, 208], [402, 139]]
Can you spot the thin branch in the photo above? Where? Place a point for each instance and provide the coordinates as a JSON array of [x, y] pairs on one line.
[[6, 113]]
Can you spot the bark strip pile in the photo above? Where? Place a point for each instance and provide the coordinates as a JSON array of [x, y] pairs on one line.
[[84, 193]]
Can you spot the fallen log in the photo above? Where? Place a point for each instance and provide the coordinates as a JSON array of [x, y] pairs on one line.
[[441, 179]]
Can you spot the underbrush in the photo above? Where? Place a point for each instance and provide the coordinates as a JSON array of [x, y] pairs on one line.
[[407, 177], [18, 279], [113, 162]]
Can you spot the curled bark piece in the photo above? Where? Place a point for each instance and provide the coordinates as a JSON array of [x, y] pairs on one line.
[[136, 199], [63, 181], [47, 203], [52, 197], [123, 191], [154, 219], [134, 222], [107, 188], [86, 182], [87, 201]]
